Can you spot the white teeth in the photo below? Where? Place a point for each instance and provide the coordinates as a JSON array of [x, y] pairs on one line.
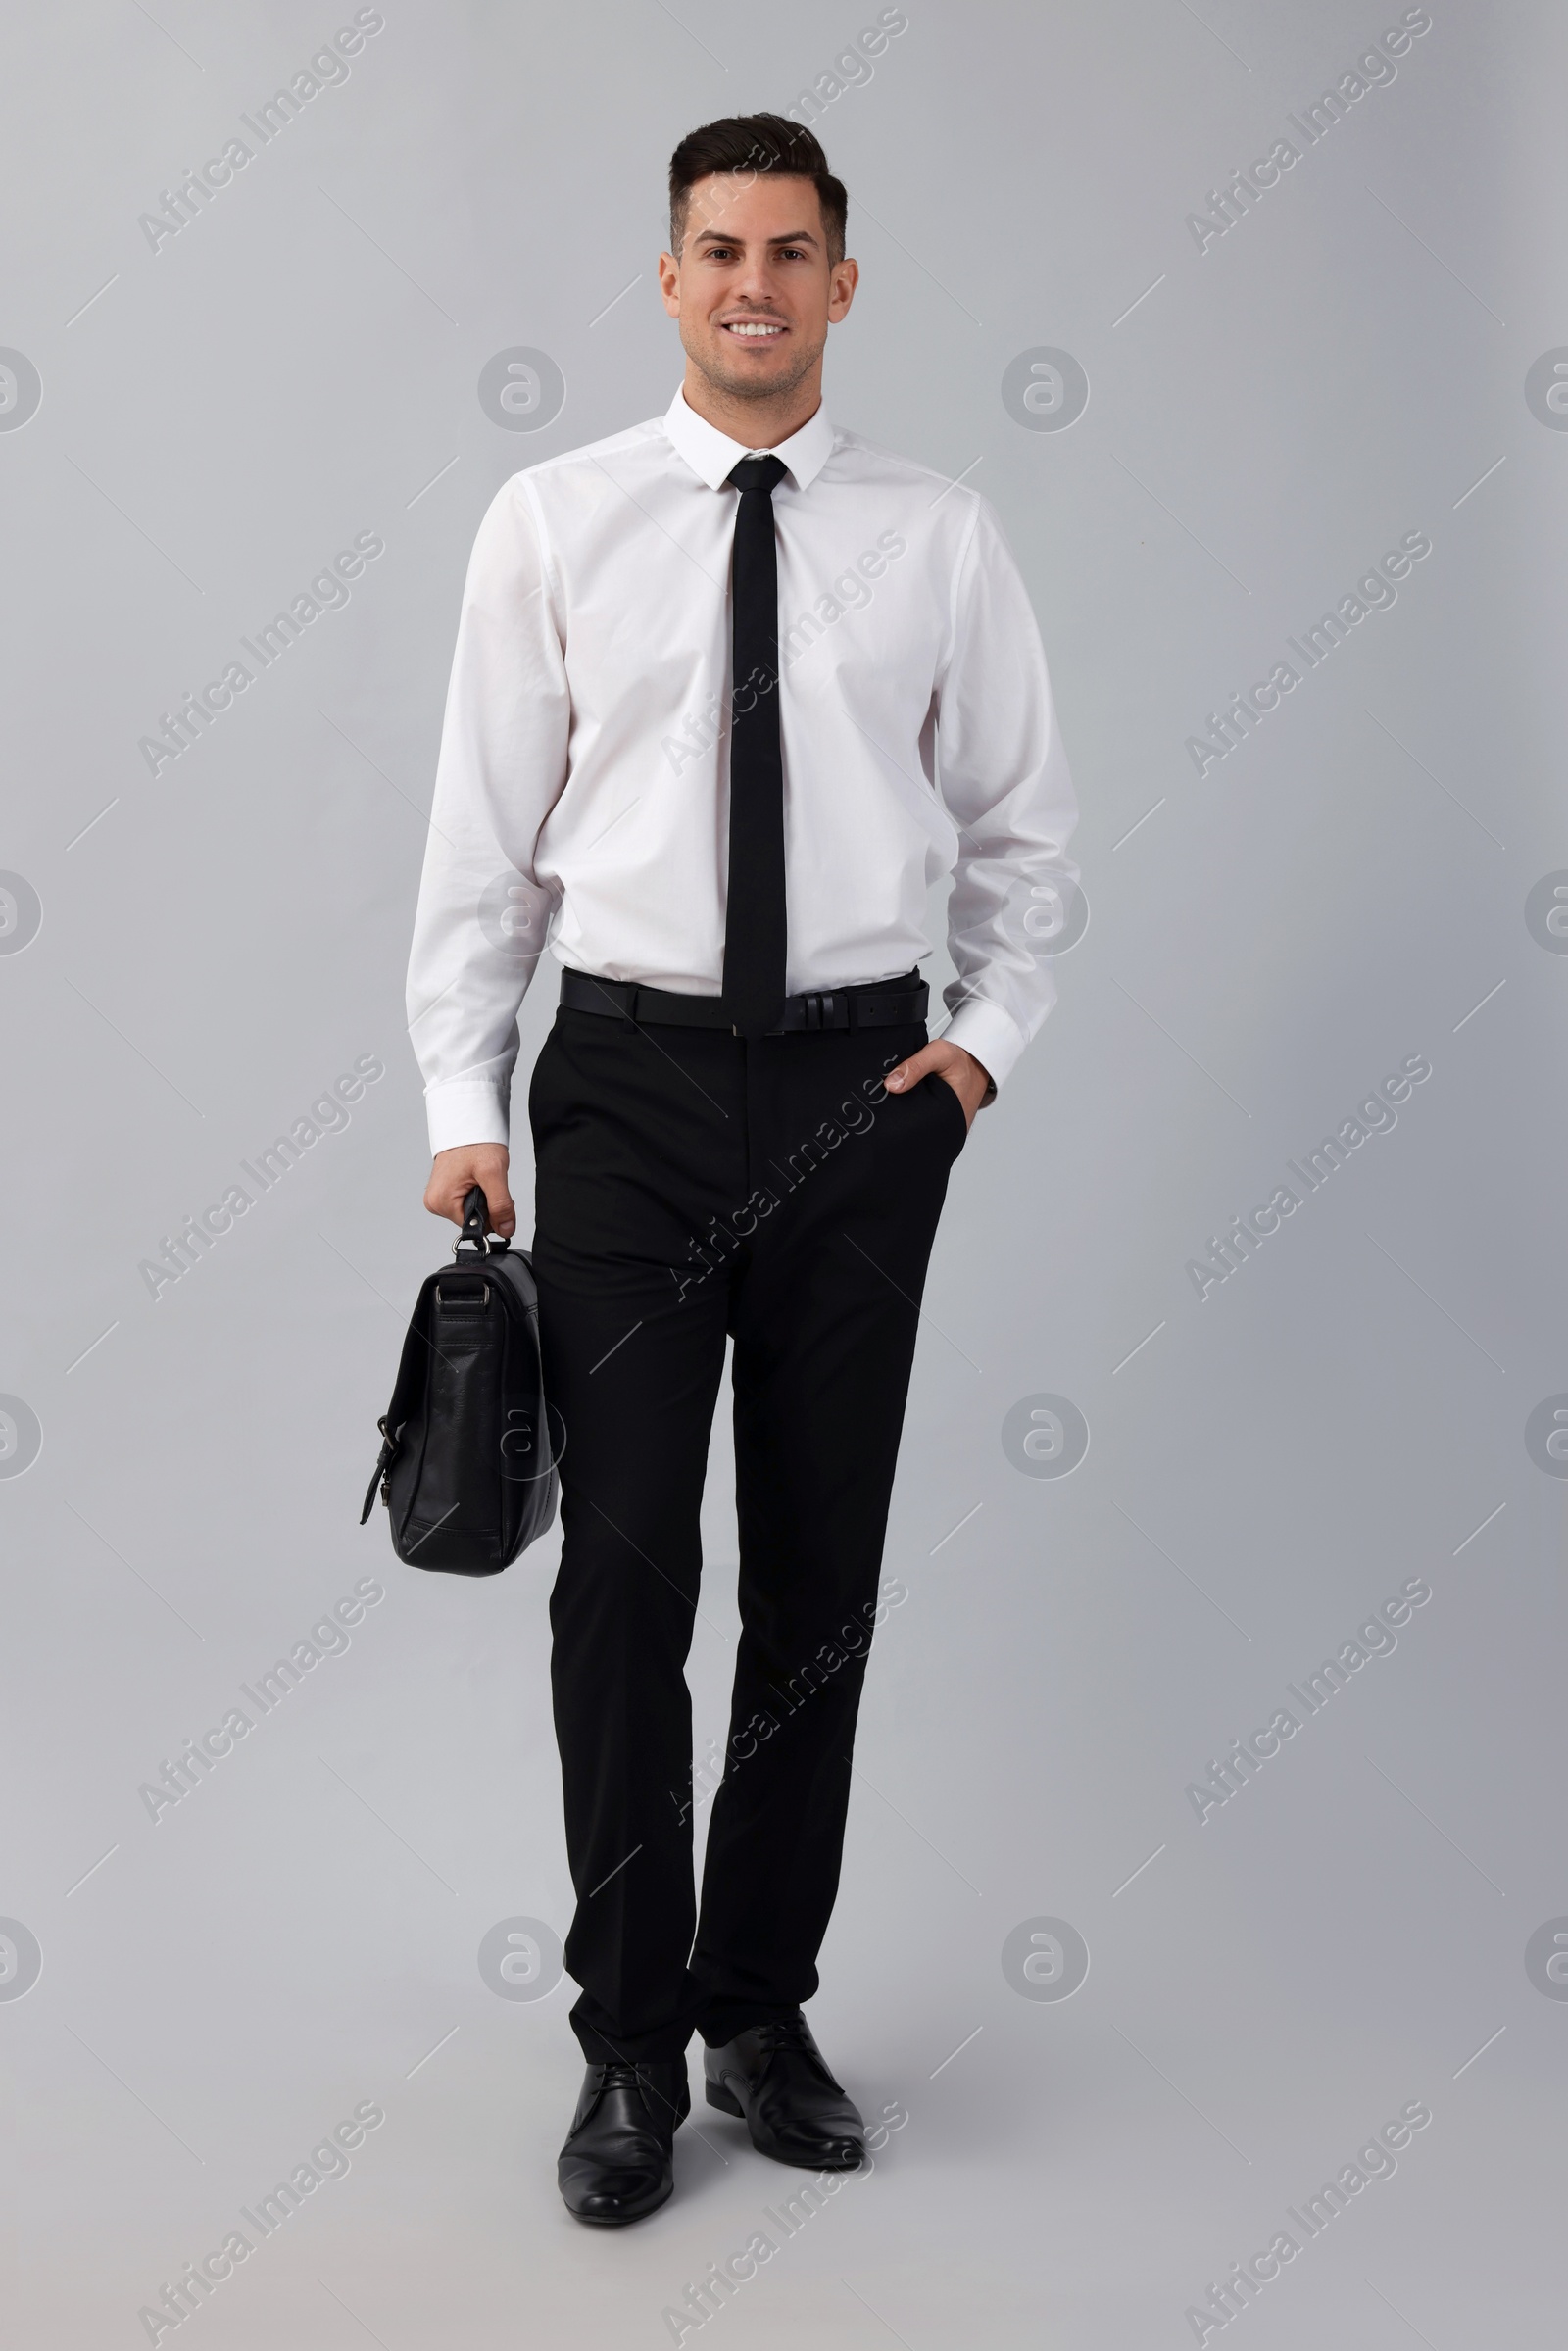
[[753, 333]]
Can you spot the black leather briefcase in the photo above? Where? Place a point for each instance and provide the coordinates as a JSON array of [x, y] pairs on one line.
[[468, 1467]]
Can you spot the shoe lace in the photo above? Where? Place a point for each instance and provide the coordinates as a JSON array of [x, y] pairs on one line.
[[620, 2076], [787, 2033], [793, 2033], [623, 2073]]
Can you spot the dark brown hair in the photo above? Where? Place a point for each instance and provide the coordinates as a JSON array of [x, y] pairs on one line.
[[756, 143]]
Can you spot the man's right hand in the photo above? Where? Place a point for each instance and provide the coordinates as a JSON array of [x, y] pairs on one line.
[[454, 1175]]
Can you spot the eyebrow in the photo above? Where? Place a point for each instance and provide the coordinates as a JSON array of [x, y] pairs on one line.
[[719, 236]]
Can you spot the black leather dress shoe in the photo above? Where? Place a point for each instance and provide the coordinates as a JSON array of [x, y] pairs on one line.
[[618, 2164], [776, 2078]]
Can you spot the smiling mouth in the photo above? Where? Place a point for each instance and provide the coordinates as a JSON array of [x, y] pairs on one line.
[[758, 331]]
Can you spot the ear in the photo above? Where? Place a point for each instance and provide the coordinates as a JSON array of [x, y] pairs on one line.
[[669, 283], [843, 278]]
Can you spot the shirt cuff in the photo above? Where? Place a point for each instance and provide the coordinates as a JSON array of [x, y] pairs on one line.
[[986, 1031], [467, 1110]]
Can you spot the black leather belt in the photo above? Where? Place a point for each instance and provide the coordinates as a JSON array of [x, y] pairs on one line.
[[879, 1005]]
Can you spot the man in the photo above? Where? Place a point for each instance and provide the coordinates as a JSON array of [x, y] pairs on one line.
[[731, 691]]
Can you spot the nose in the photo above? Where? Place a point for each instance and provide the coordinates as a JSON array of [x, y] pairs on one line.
[[753, 284]]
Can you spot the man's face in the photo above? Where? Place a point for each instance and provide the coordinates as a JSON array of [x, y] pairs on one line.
[[754, 290]]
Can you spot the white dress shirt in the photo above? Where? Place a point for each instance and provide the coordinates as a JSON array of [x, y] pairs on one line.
[[581, 797]]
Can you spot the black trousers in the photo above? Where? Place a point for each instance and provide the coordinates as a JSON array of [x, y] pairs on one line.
[[692, 1186]]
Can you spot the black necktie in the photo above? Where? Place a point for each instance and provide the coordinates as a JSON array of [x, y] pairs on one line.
[[755, 924]]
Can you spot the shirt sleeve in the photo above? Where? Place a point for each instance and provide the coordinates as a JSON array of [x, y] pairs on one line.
[[1005, 782], [482, 916]]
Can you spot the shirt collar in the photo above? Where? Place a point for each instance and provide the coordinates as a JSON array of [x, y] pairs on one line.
[[712, 456]]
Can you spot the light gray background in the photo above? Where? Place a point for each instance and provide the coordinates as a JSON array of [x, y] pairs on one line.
[[299, 364]]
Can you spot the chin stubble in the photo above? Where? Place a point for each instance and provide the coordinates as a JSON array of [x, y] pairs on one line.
[[747, 387]]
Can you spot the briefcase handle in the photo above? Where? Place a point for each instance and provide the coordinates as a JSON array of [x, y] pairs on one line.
[[474, 1210]]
